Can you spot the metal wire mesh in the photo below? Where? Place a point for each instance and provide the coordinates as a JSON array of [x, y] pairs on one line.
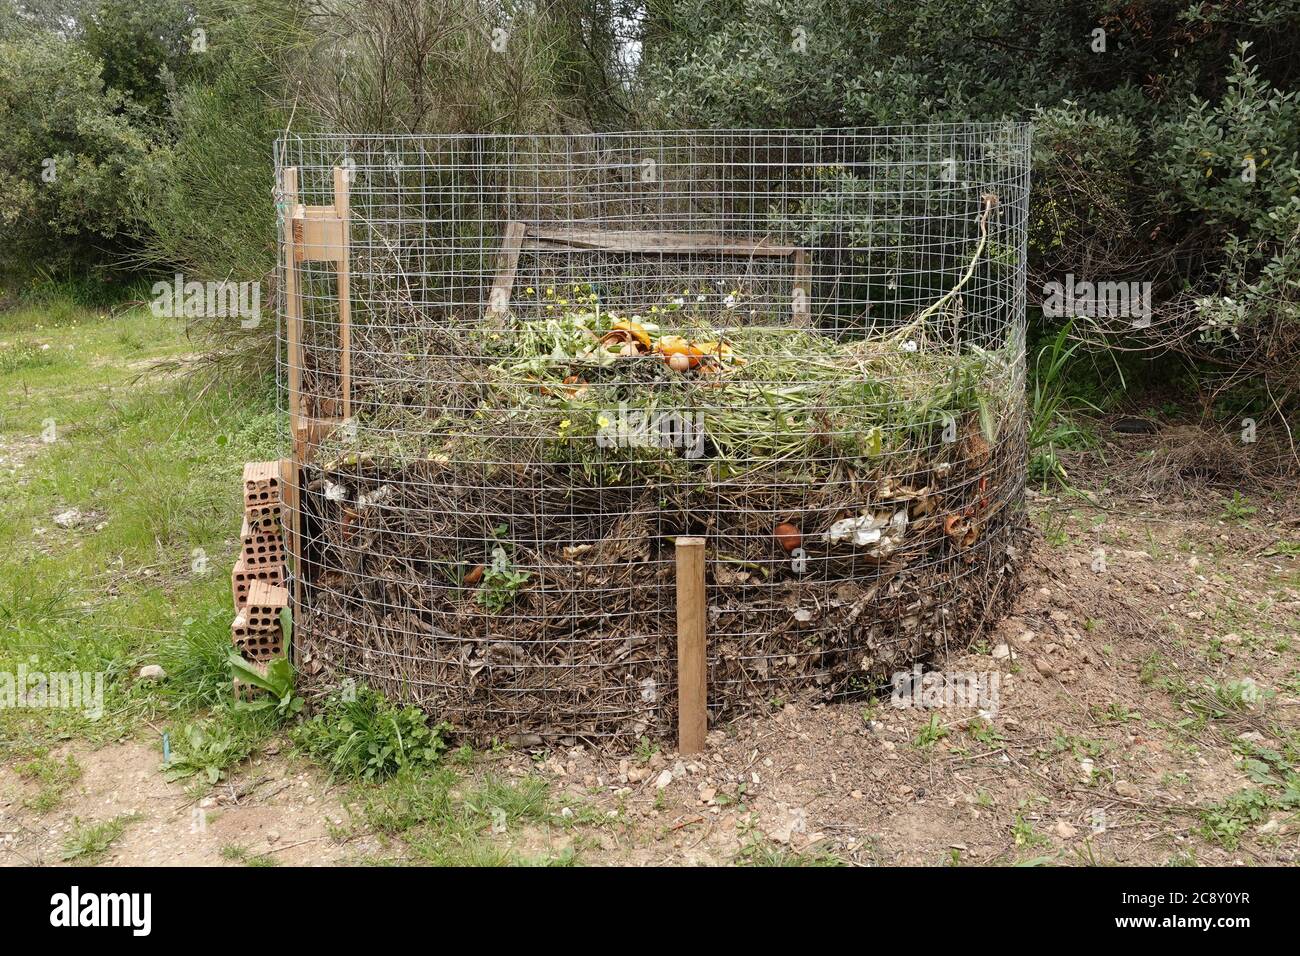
[[563, 351]]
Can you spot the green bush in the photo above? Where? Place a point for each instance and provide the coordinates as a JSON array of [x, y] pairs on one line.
[[1229, 167], [72, 154]]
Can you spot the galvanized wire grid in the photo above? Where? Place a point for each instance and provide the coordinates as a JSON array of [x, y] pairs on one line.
[[490, 533]]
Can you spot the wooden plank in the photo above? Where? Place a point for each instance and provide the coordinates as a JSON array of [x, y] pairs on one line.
[[692, 660], [310, 432], [343, 208], [507, 263], [318, 235], [645, 241], [801, 309]]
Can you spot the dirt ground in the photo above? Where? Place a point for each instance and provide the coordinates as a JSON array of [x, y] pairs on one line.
[[1147, 679]]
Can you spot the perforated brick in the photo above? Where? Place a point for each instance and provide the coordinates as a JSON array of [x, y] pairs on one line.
[[265, 602], [262, 494], [260, 547], [242, 578], [256, 644]]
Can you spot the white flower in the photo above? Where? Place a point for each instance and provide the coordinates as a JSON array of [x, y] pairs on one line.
[[908, 346]]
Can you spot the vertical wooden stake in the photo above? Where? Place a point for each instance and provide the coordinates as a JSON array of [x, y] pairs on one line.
[[293, 330], [692, 661], [342, 208], [292, 296]]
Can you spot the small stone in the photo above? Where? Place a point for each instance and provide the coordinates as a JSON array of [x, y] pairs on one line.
[[152, 672], [273, 837], [637, 774], [663, 780], [1064, 830], [1001, 652], [1043, 667], [1125, 789], [68, 519]]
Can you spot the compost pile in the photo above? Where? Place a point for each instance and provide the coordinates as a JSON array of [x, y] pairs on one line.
[[492, 535]]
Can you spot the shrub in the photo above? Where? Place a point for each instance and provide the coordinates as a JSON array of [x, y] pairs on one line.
[[71, 152]]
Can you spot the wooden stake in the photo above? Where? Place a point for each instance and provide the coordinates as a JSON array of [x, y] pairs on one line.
[[342, 208], [292, 297], [507, 264], [293, 323], [692, 661]]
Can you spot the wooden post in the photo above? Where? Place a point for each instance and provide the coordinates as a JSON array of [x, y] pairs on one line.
[[293, 330], [692, 661], [292, 297], [342, 208], [507, 264]]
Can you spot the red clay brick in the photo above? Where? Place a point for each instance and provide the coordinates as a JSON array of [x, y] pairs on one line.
[[255, 644], [242, 577], [261, 548], [262, 494]]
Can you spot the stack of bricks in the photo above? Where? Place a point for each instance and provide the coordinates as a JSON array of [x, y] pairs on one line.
[[257, 581]]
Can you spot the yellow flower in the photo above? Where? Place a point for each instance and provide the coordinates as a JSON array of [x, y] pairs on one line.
[[565, 424], [529, 290], [602, 421], [550, 290]]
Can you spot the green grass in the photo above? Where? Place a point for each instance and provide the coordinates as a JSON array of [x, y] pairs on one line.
[[763, 852], [239, 854], [52, 777], [152, 459], [445, 820], [89, 841]]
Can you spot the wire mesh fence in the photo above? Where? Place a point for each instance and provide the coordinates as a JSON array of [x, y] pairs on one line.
[[558, 353]]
